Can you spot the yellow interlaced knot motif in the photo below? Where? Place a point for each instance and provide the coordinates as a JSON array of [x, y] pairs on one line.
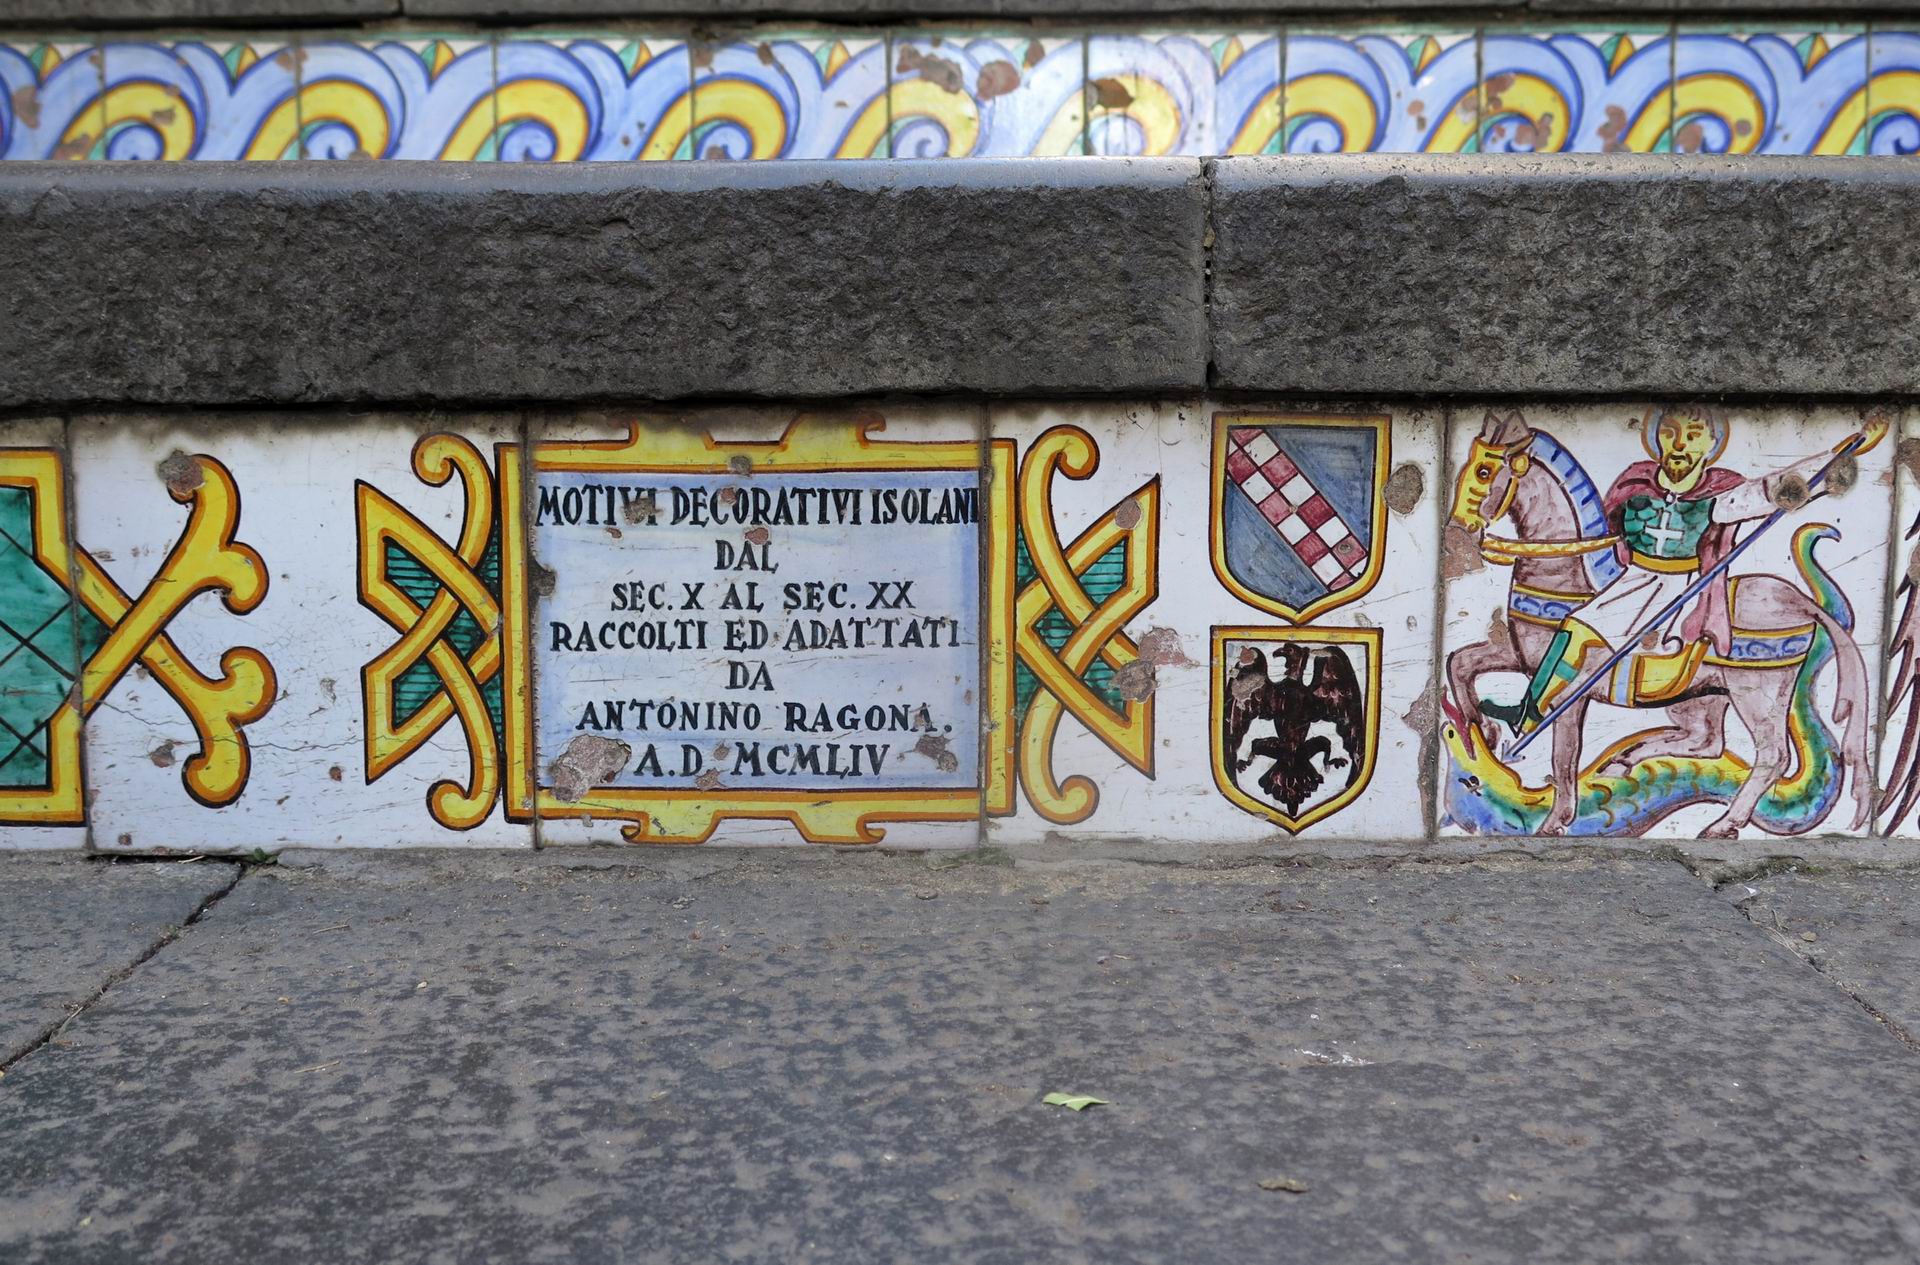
[[205, 558], [423, 631], [1096, 625]]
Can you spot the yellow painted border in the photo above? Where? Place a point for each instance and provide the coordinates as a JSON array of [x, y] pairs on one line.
[[1368, 637], [517, 797], [1552, 595], [1002, 732], [62, 801], [1376, 552], [811, 443]]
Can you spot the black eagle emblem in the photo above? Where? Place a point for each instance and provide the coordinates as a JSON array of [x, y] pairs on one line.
[[1302, 760]]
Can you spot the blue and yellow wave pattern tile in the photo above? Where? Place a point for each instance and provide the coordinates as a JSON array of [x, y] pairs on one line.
[[623, 95]]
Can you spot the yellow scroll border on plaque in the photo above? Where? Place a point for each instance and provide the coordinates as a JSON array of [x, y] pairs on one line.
[[841, 443]]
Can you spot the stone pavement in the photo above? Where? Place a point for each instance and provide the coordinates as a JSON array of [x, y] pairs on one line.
[[695, 1056]]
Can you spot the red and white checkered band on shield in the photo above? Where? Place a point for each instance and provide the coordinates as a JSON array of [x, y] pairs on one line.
[[1303, 517]]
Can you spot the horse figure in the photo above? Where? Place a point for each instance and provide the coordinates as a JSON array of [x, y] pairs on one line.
[[1562, 555]]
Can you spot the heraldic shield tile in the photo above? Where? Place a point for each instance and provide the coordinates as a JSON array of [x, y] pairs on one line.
[[1133, 686], [1296, 719], [762, 627], [1299, 509], [44, 638], [309, 610], [1663, 620]]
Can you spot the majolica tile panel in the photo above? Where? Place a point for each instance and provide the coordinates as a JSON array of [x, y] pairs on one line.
[[1222, 621], [1191, 92], [932, 624], [46, 637], [1899, 806], [52, 98], [1664, 620], [210, 98], [624, 93], [959, 94], [593, 96], [1893, 91], [1387, 91], [298, 632], [757, 626], [399, 96], [779, 94], [1784, 92], [1602, 90]]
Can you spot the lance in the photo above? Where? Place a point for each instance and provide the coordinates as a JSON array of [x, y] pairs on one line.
[[1667, 612]]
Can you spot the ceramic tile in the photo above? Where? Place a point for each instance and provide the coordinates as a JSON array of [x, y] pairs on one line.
[[758, 626], [43, 641], [1899, 809], [1221, 620], [1389, 92], [594, 96], [51, 98], [960, 94], [1774, 93], [388, 97], [1893, 92], [269, 682], [1190, 93], [1789, 682], [777, 95], [1602, 90], [202, 98]]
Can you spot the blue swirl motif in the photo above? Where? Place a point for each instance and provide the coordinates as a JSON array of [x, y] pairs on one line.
[[1178, 64], [1213, 106], [1602, 104], [1316, 133], [1410, 104], [1013, 121], [818, 109], [36, 110], [1798, 105], [1812, 99], [1419, 102], [731, 138], [1547, 610], [1753, 646], [227, 98], [1247, 96], [1893, 124], [421, 109], [625, 98]]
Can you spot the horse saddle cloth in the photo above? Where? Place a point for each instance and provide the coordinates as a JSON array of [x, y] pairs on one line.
[[1648, 678]]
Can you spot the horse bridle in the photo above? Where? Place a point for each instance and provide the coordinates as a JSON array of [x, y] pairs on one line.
[[1502, 551]]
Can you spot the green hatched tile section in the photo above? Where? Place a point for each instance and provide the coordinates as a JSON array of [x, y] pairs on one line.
[[1105, 576], [420, 683], [36, 646]]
